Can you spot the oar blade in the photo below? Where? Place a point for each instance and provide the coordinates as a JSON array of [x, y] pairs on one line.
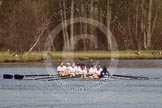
[[18, 77], [7, 76]]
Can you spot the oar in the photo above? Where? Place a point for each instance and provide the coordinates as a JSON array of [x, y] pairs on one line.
[[58, 76], [49, 77], [7, 76], [64, 77], [132, 77], [154, 78], [122, 78], [19, 77]]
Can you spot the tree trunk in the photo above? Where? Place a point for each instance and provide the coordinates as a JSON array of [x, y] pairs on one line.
[[96, 10], [142, 23], [101, 19], [83, 25], [91, 16], [149, 25], [91, 27], [155, 19], [96, 16], [72, 26], [62, 21], [1, 2], [109, 11], [129, 27], [65, 26], [85, 14], [136, 25]]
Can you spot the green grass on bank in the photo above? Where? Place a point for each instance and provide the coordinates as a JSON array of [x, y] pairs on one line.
[[108, 54], [5, 57], [40, 56]]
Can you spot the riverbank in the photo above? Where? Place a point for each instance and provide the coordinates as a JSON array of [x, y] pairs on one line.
[[40, 56]]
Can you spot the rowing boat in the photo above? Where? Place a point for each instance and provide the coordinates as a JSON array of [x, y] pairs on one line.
[[51, 77]]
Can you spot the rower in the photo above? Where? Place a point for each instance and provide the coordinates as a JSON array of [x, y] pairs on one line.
[[83, 70], [73, 69], [99, 69], [68, 68], [78, 68], [61, 69], [88, 69], [93, 69], [104, 73], [93, 72]]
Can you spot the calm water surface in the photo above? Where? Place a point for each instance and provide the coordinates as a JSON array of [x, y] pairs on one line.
[[111, 94]]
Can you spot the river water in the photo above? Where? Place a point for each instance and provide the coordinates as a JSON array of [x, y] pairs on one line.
[[108, 94]]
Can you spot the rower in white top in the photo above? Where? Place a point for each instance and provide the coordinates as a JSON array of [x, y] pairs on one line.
[[99, 69], [82, 69], [61, 69], [93, 70], [73, 68], [68, 67], [78, 68]]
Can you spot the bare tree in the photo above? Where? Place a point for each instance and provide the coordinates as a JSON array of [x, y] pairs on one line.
[[72, 24], [109, 11], [129, 24], [64, 24], [19, 27], [149, 24], [1, 2], [83, 26]]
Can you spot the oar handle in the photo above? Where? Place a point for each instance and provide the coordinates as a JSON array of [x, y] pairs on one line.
[[40, 75]]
